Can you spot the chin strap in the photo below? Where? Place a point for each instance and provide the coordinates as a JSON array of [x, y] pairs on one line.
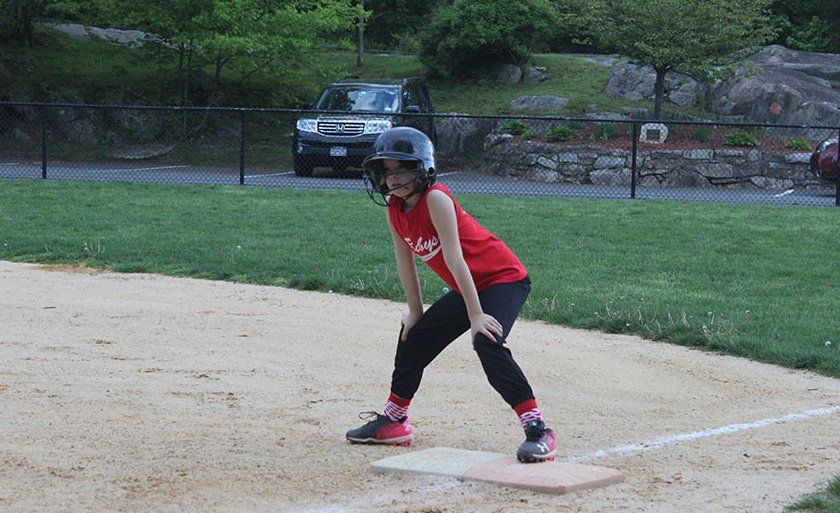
[[417, 190]]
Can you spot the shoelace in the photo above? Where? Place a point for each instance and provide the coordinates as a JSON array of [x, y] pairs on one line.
[[370, 416]]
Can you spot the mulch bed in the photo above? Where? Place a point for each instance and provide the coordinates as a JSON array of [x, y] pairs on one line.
[[680, 138]]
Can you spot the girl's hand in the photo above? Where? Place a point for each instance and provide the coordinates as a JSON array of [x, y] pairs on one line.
[[487, 325], [408, 322]]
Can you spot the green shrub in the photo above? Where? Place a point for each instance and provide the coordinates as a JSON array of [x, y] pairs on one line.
[[530, 134], [512, 127], [471, 35], [606, 131], [560, 133], [701, 134], [797, 144], [745, 139]]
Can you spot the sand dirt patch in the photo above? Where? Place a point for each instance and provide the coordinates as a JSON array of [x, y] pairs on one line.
[[130, 393]]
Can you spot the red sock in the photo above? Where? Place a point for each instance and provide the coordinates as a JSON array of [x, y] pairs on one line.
[[396, 408], [527, 411]]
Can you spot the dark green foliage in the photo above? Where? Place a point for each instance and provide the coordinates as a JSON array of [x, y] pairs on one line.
[[391, 22], [807, 25], [474, 35], [17, 19], [199, 44]]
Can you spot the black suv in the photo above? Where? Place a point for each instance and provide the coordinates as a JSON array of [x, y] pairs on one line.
[[338, 140]]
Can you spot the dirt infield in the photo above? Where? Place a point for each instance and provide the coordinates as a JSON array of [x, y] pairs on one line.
[[146, 393]]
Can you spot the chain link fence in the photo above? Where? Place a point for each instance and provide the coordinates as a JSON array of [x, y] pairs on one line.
[[617, 158]]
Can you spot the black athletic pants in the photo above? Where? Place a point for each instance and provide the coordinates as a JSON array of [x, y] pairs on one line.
[[445, 321]]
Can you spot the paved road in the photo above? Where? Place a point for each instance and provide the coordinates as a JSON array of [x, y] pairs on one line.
[[459, 182]]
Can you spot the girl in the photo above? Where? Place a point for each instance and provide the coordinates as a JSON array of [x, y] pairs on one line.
[[489, 286]]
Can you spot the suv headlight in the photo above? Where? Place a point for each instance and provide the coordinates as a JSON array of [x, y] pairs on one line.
[[307, 125], [377, 126]]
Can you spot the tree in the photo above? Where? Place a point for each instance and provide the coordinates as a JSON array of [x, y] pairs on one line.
[[243, 36], [808, 25], [17, 18], [690, 36], [475, 33], [393, 21]]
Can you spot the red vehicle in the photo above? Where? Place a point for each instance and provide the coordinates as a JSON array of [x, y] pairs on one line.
[[824, 160]]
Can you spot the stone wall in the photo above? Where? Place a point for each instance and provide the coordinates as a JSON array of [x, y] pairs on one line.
[[661, 167]]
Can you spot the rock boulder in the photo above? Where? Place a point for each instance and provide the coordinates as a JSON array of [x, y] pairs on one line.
[[782, 87], [778, 86], [637, 83]]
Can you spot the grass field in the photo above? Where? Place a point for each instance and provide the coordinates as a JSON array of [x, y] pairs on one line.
[[752, 281]]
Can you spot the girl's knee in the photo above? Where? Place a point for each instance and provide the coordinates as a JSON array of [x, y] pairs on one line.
[[485, 343]]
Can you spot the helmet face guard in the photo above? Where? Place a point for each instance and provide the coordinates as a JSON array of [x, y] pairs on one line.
[[409, 146]]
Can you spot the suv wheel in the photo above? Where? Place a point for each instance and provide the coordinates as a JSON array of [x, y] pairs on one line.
[[301, 168]]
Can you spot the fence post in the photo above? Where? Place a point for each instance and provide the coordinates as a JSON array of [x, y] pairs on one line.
[[242, 147], [633, 161], [837, 174], [43, 142]]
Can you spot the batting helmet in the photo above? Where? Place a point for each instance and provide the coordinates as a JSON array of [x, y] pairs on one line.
[[405, 144]]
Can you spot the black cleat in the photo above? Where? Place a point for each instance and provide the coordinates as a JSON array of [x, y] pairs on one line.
[[539, 444], [381, 430]]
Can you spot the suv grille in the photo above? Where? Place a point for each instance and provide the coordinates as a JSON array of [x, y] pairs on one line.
[[341, 127]]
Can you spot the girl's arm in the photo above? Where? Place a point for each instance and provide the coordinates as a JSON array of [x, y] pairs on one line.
[[407, 271], [442, 212]]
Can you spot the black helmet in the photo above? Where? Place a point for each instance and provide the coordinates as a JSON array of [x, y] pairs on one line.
[[405, 144]]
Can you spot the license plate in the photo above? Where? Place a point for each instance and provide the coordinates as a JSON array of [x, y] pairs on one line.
[[338, 151]]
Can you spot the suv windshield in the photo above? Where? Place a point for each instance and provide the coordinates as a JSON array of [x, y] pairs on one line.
[[355, 98]]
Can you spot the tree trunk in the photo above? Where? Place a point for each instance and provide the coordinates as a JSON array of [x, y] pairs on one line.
[[217, 77], [21, 27], [659, 92], [360, 45], [181, 74], [187, 74]]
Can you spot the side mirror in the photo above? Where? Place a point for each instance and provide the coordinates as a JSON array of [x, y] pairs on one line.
[[414, 109]]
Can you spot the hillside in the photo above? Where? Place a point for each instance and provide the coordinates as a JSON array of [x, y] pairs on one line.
[[65, 68]]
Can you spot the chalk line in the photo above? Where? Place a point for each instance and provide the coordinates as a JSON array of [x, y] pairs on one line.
[[659, 443]]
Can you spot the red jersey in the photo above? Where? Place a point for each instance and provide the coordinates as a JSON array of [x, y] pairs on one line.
[[489, 259]]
